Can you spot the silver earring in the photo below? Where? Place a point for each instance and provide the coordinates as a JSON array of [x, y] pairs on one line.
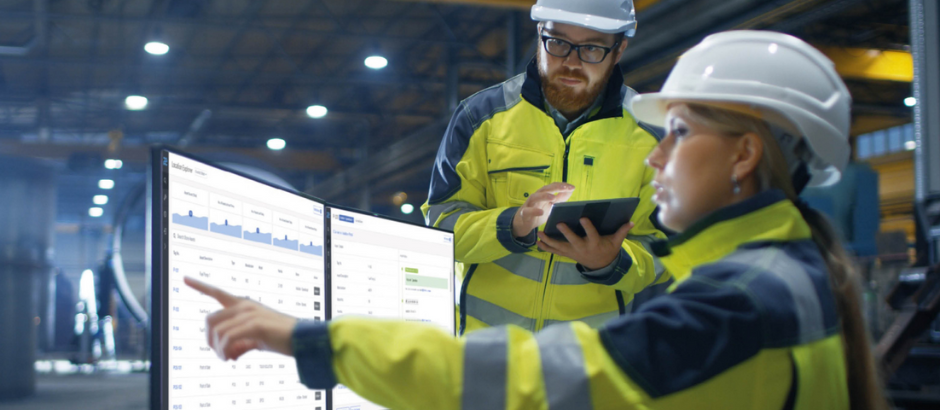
[[736, 185]]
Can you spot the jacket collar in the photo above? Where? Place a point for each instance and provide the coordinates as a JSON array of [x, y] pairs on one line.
[[612, 107], [765, 217]]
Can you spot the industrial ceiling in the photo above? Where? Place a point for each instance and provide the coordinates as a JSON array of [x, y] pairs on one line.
[[239, 72]]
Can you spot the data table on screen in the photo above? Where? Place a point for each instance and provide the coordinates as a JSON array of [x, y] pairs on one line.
[[388, 269], [245, 237]]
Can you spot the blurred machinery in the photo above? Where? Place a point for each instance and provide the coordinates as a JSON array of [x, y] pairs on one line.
[[26, 217]]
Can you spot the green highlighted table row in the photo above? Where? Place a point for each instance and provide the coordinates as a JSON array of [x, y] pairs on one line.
[[424, 281]]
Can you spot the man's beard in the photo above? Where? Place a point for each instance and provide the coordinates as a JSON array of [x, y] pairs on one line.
[[569, 102]]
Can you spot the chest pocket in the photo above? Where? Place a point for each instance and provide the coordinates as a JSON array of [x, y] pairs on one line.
[[516, 173]]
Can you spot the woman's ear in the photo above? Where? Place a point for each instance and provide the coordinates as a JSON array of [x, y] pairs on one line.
[[749, 153]]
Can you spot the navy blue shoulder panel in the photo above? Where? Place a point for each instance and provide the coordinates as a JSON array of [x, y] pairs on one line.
[[765, 295], [790, 282], [469, 116], [679, 340]]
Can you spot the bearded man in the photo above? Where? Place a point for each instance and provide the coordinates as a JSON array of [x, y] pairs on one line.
[[560, 131]]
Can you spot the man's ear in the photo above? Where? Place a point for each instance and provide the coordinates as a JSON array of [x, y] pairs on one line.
[[618, 52]]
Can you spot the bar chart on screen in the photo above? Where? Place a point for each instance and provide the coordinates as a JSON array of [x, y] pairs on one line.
[[242, 236]]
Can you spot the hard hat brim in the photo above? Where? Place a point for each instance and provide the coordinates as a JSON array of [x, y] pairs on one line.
[[596, 23]]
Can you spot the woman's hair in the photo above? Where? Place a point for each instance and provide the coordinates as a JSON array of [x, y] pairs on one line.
[[772, 172]]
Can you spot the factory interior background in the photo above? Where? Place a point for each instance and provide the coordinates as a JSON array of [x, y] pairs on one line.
[[348, 101]]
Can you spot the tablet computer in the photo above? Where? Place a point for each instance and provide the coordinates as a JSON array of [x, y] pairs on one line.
[[607, 215]]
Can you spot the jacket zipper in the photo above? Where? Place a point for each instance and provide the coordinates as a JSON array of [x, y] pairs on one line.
[[564, 174], [551, 259]]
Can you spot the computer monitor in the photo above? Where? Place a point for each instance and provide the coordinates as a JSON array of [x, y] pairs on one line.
[[251, 238], [384, 268]]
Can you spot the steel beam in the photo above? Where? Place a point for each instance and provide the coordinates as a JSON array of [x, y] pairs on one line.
[[302, 79], [259, 24], [870, 64], [289, 160], [397, 157], [276, 48], [657, 46]]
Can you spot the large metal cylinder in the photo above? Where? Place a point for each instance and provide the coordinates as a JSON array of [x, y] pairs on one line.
[[27, 217]]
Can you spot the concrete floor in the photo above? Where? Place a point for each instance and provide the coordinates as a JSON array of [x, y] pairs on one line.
[[92, 392]]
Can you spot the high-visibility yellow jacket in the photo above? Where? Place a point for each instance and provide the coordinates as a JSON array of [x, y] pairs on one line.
[[500, 147], [750, 324]]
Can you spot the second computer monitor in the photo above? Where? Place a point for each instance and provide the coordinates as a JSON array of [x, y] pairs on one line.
[[388, 269]]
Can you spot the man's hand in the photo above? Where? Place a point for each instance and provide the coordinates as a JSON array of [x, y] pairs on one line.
[[592, 251], [243, 325], [534, 212]]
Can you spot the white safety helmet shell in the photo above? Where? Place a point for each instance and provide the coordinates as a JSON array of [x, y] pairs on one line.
[[772, 73], [605, 16]]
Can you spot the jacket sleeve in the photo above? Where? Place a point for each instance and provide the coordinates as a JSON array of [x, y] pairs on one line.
[[636, 268], [458, 193], [685, 352]]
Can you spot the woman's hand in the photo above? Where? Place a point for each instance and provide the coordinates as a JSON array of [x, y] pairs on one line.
[[243, 325]]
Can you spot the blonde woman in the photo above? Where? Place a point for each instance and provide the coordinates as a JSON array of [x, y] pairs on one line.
[[764, 315]]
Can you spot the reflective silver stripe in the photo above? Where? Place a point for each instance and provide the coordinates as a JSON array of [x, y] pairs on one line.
[[495, 315], [484, 369], [512, 90], [564, 273], [521, 264], [629, 107], [647, 241], [790, 272], [626, 101], [594, 321], [435, 212], [566, 380]]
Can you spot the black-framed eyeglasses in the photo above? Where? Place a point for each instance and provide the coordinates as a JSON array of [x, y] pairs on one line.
[[589, 53]]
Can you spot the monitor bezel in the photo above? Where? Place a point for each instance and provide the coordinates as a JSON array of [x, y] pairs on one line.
[[159, 278]]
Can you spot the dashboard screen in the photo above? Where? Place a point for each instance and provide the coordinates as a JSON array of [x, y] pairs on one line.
[[290, 252], [256, 241]]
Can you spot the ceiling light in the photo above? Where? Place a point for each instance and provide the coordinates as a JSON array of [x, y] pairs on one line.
[[407, 209], [317, 111], [156, 48], [135, 102], [95, 212], [276, 144], [910, 101], [113, 163], [100, 199], [376, 62], [106, 184]]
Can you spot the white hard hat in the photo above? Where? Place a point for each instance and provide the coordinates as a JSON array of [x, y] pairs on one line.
[[606, 16], [790, 83]]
